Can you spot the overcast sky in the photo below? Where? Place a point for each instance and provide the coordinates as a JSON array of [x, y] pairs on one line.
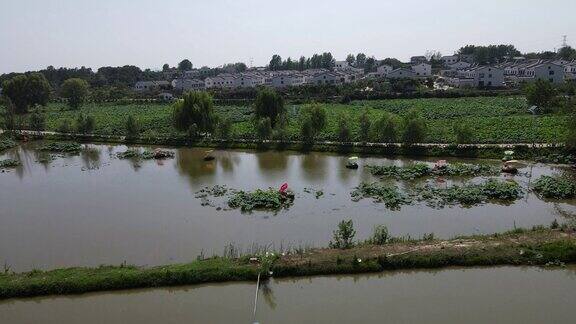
[[148, 33]]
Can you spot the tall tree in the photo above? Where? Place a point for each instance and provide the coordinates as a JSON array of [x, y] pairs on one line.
[[27, 90], [195, 108], [350, 59], [360, 60], [185, 65], [75, 90], [275, 63], [165, 67], [269, 104]]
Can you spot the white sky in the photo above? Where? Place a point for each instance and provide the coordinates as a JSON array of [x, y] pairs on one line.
[[148, 33]]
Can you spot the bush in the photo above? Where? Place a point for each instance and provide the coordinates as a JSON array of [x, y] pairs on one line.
[[196, 107], [315, 117], [65, 126], [344, 134], [464, 134], [380, 235], [132, 127], [343, 236], [542, 94], [225, 128], [269, 104], [37, 122], [264, 128], [414, 128], [85, 124], [384, 130], [27, 90], [365, 126]]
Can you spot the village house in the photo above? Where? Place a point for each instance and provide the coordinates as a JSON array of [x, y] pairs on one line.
[[449, 59], [418, 59], [422, 70], [341, 65], [401, 73], [182, 84], [151, 85], [460, 65]]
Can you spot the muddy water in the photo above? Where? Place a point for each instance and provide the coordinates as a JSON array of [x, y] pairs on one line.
[[485, 295], [95, 209]]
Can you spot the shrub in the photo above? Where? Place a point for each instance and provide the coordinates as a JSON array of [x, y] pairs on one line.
[[414, 128], [132, 127], [540, 93], [196, 107], [264, 128], [344, 134], [85, 124], [343, 236], [65, 126], [365, 126], [464, 133], [37, 122], [269, 104], [75, 90], [384, 130], [380, 235], [313, 118], [225, 128]]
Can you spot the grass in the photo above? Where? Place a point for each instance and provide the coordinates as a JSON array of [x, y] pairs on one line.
[[493, 119], [555, 187], [539, 246]]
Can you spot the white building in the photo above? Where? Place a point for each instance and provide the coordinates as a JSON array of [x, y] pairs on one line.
[[487, 77], [545, 71], [449, 59], [422, 70], [401, 73], [151, 85], [341, 65], [460, 65], [182, 84]]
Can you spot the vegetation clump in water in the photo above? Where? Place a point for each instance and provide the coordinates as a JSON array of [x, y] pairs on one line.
[[555, 187], [62, 147], [145, 155], [472, 194], [6, 143], [270, 199], [389, 195], [9, 163], [419, 170]]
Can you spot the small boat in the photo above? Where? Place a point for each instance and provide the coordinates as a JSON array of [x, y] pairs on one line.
[[352, 164]]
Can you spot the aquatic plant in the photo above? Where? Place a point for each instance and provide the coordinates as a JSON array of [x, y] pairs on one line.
[[145, 155], [389, 195], [9, 163], [61, 147], [555, 187], [6, 143], [470, 194], [380, 235], [270, 199], [343, 235], [419, 170]]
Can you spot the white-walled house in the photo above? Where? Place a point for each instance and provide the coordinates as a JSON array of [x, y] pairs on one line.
[[341, 65], [151, 85], [449, 59], [422, 70], [460, 65], [545, 71], [188, 84], [401, 73], [487, 77]]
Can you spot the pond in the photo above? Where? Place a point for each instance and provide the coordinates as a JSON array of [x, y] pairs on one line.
[[95, 208], [476, 295]]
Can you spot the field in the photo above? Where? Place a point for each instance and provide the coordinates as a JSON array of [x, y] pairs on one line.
[[493, 119]]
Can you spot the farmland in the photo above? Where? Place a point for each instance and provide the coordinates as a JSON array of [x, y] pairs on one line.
[[492, 119]]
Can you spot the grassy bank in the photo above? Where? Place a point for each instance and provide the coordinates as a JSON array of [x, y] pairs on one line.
[[520, 247], [493, 119]]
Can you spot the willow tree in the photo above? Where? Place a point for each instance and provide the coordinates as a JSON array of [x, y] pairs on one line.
[[195, 108]]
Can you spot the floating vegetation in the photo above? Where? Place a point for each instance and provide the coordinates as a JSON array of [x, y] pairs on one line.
[[555, 187], [62, 147], [156, 154], [8, 163], [471, 194], [270, 199], [317, 193], [419, 170], [6, 143], [389, 195]]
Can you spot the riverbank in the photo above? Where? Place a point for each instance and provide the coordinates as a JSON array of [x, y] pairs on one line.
[[519, 247], [541, 152]]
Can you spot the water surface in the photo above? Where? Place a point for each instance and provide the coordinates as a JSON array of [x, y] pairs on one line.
[[483, 295], [96, 209]]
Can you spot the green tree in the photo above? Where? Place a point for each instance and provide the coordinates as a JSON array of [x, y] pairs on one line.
[[196, 107], [132, 127], [85, 124], [464, 133], [165, 67], [344, 235], [384, 130], [185, 65], [65, 126], [350, 59], [27, 90], [225, 128], [275, 63], [8, 113], [314, 117], [37, 121], [344, 134], [365, 125], [567, 53], [414, 128], [280, 132], [360, 60], [307, 132], [571, 130], [269, 104], [75, 90], [264, 128], [541, 93]]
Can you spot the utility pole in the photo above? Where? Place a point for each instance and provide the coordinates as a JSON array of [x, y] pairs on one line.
[[564, 41]]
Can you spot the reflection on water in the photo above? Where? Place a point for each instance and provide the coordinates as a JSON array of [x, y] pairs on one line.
[[94, 208], [481, 295]]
